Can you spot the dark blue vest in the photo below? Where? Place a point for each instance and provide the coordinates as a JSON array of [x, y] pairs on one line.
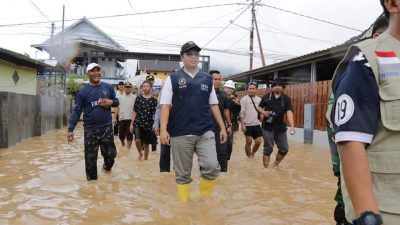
[[190, 112]]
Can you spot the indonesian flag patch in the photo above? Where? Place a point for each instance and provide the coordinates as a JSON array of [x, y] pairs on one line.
[[389, 64]]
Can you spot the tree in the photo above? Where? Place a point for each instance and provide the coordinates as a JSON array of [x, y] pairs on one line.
[[74, 84]]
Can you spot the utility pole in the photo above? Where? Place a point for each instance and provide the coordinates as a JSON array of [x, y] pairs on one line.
[[254, 23], [62, 48], [252, 35], [52, 40], [62, 29], [259, 40]]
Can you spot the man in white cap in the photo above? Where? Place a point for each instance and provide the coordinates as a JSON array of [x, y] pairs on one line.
[[95, 100], [234, 110]]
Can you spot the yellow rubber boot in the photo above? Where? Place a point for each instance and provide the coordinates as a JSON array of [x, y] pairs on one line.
[[206, 187], [183, 192]]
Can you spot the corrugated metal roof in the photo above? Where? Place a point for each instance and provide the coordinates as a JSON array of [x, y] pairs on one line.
[[20, 59], [82, 30], [333, 52]]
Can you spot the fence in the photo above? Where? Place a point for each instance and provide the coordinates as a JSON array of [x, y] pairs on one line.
[[24, 116], [305, 93]]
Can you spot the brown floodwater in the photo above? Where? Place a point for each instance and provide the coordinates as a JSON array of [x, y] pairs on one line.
[[42, 181]]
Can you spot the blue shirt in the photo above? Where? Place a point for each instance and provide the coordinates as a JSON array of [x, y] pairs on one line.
[[356, 112], [87, 100]]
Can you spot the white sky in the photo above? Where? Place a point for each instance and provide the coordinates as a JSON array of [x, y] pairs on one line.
[[156, 32]]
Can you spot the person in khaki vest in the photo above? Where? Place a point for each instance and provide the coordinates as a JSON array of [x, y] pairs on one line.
[[366, 125], [380, 25]]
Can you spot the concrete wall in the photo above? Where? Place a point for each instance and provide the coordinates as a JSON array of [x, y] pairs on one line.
[[26, 83], [320, 138], [24, 116]]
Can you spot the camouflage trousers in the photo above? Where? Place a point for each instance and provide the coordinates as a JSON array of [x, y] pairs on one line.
[[94, 139]]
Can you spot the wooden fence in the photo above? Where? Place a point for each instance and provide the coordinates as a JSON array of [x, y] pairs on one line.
[[301, 94]]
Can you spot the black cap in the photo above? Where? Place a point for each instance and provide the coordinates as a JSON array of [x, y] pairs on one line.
[[150, 77], [121, 83], [190, 45], [278, 81], [128, 84]]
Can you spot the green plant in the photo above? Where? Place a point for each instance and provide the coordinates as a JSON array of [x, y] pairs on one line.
[[74, 84]]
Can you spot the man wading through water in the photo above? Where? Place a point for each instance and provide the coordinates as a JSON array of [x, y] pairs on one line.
[[95, 100], [189, 104]]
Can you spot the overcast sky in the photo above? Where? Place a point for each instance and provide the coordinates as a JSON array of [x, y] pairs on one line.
[[223, 28]]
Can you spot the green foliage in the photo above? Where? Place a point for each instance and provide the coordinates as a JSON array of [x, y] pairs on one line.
[[240, 86], [74, 84]]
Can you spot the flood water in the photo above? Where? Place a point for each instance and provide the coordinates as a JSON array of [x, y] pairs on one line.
[[42, 181]]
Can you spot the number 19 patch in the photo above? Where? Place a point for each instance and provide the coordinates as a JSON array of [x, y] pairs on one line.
[[344, 109]]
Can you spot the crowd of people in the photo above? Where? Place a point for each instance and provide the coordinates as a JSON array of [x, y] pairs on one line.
[[196, 114]]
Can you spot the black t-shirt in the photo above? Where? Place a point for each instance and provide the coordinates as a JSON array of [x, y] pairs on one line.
[[279, 106], [145, 109], [222, 104], [234, 110]]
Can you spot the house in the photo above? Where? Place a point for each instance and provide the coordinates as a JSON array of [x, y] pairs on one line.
[[312, 67], [18, 73], [24, 112], [82, 43], [159, 69]]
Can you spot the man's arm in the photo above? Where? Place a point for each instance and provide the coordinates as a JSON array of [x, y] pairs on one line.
[[76, 114], [228, 121], [357, 176], [114, 114], [164, 135], [157, 115], [217, 116], [289, 115], [242, 114]]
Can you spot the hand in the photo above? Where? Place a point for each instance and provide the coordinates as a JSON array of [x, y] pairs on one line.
[[104, 102], [243, 128], [164, 137], [114, 122], [131, 128], [156, 130], [292, 130], [70, 137], [266, 113], [223, 136], [229, 130]]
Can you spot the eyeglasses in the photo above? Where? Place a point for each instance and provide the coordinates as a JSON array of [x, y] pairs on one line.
[[190, 54], [252, 83]]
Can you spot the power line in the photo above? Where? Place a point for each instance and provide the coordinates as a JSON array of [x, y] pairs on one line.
[[33, 3], [223, 29], [310, 17], [129, 14], [193, 27]]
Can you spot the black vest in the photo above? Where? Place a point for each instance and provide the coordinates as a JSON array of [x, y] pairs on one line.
[[190, 112]]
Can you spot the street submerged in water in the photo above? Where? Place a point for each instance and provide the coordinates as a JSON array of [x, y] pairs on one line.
[[43, 182]]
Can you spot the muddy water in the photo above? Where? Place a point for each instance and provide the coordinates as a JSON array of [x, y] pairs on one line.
[[42, 181]]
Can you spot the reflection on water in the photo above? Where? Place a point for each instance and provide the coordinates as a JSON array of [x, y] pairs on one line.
[[43, 182]]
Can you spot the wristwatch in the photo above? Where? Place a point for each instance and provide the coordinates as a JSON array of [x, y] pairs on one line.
[[228, 125], [368, 218]]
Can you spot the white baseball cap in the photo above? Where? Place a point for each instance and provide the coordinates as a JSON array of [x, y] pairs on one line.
[[91, 66], [229, 84]]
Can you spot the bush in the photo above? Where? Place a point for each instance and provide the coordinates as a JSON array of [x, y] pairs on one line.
[[74, 84]]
